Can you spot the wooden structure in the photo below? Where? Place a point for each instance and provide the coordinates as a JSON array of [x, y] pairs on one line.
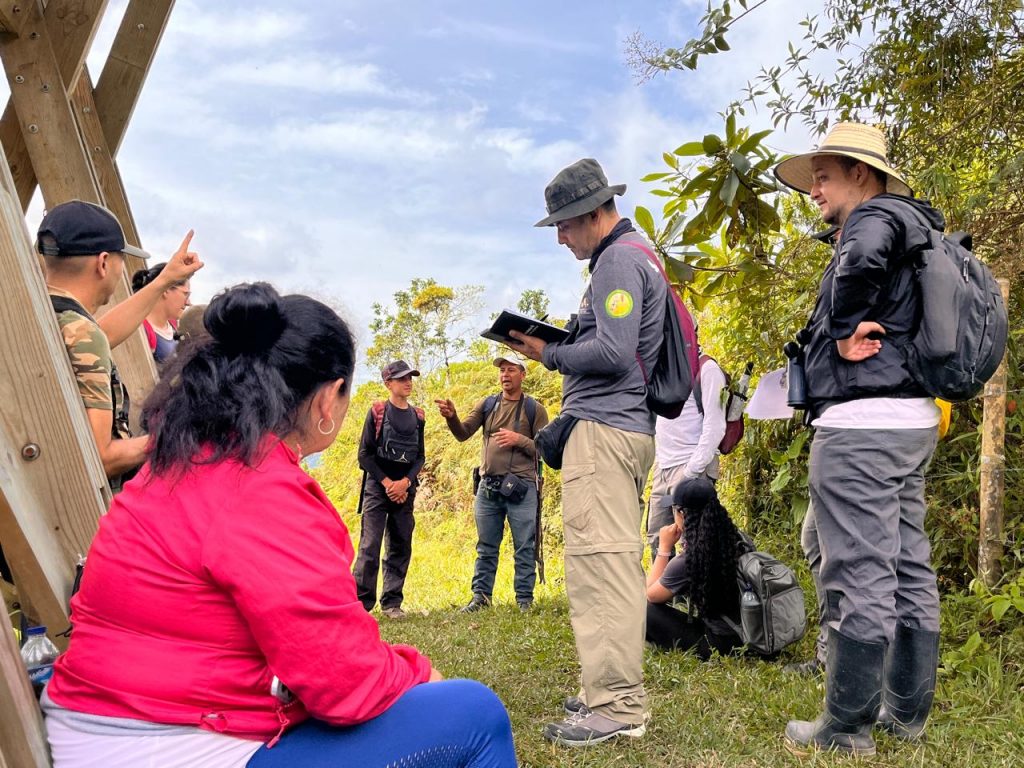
[[62, 133]]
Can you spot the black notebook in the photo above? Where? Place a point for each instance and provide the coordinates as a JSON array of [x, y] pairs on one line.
[[513, 321]]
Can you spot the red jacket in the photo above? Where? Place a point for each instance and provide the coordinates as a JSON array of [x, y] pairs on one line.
[[197, 592]]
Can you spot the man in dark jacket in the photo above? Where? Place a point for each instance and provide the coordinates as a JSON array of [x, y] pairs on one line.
[[615, 337], [391, 455], [875, 431]]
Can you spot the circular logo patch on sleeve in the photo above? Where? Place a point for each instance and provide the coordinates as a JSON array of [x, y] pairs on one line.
[[618, 304]]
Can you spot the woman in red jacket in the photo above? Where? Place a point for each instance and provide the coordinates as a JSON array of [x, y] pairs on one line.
[[217, 622]]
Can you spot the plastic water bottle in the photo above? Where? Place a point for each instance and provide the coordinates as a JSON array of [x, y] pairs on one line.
[[38, 655], [739, 395]]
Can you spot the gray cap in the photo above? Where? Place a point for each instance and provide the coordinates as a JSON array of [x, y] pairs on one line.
[[577, 190]]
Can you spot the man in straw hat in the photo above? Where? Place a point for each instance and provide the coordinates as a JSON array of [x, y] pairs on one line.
[[609, 451], [874, 436]]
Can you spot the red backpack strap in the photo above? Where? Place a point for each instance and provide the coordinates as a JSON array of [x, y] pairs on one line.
[[689, 330], [420, 414], [378, 416], [150, 335]]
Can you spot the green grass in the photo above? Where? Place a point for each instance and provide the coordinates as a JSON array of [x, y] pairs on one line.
[[728, 712]]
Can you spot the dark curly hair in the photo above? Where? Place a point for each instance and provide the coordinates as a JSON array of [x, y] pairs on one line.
[[712, 545], [222, 394]]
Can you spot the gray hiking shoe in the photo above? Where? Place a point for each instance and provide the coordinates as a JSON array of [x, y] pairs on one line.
[[585, 728], [478, 603], [525, 606], [393, 613]]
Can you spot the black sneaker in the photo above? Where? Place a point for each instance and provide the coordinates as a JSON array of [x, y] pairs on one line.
[[478, 603], [585, 728]]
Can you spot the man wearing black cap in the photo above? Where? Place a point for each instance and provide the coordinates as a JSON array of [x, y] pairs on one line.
[[391, 456], [509, 421], [613, 340], [83, 249]]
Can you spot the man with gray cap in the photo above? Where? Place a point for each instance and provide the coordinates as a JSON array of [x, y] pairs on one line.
[[874, 434], [508, 483], [83, 247], [614, 340]]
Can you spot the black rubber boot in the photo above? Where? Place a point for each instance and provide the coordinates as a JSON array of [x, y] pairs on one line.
[[909, 685], [853, 694]]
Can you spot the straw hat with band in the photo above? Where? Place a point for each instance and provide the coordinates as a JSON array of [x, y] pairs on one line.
[[576, 190], [860, 142]]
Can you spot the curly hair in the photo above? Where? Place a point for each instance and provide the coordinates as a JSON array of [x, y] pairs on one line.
[[712, 545]]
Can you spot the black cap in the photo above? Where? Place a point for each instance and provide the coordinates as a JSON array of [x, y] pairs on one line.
[[693, 493], [397, 370], [83, 229]]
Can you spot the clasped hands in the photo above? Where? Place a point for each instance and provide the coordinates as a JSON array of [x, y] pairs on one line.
[[397, 490]]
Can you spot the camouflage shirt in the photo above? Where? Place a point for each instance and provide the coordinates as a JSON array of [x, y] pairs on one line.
[[95, 373]]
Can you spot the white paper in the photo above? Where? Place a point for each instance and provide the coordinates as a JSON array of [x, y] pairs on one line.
[[769, 398]]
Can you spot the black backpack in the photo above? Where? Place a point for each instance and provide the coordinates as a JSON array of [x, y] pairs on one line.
[[962, 336], [530, 406]]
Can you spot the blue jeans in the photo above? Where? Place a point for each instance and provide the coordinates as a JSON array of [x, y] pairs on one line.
[[490, 511], [451, 724]]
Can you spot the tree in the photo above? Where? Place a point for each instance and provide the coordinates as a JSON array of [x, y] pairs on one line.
[[534, 302], [429, 325]]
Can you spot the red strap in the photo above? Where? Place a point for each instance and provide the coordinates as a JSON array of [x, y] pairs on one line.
[[684, 313], [150, 335]]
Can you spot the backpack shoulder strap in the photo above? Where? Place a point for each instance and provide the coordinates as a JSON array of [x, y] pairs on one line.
[[698, 393], [64, 304], [378, 416], [421, 416], [531, 412], [150, 335]]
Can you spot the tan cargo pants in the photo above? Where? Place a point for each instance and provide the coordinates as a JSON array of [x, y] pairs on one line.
[[604, 471]]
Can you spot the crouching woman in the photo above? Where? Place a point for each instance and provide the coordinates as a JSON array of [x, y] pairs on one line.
[[704, 575], [217, 622]]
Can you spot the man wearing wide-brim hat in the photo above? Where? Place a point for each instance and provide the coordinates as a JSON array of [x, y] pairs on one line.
[[609, 451], [875, 431]]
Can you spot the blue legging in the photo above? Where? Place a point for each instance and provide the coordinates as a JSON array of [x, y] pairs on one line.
[[450, 724]]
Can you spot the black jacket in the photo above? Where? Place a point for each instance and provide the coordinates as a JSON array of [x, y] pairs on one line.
[[870, 277]]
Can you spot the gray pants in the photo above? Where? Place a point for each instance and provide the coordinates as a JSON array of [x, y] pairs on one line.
[[812, 551], [867, 493]]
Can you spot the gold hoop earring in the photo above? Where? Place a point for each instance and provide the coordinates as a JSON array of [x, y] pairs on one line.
[[320, 427]]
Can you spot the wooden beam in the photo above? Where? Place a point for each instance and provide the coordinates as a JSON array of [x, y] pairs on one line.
[[135, 362], [22, 738], [123, 74], [12, 16], [46, 124], [52, 486], [71, 25]]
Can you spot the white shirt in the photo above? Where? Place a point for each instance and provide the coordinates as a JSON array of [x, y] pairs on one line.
[[691, 439], [881, 413]]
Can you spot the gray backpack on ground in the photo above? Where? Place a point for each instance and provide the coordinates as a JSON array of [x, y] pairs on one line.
[[772, 612]]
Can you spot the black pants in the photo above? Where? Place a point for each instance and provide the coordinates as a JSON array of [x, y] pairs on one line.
[[383, 520], [672, 629]]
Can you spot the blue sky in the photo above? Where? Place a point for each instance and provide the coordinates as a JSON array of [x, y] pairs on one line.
[[342, 148]]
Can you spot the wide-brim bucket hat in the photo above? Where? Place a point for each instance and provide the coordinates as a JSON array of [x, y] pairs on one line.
[[578, 189], [861, 142]]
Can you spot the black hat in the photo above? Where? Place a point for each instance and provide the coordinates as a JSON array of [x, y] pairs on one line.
[[577, 190], [83, 229], [693, 493], [397, 370]]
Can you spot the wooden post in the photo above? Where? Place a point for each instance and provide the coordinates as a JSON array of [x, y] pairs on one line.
[[22, 739], [993, 470]]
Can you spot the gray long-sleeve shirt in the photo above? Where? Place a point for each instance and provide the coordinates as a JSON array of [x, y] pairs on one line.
[[621, 315]]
